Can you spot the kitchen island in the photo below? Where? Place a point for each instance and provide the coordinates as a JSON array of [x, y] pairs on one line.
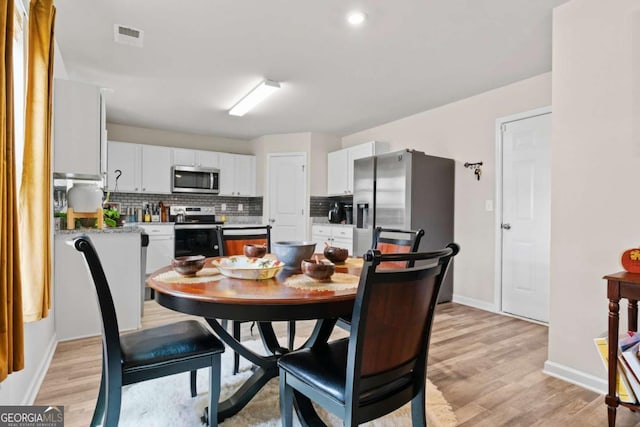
[[75, 306]]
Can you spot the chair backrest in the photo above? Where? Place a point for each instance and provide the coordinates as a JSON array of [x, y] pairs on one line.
[[390, 241], [391, 322], [112, 354], [232, 239]]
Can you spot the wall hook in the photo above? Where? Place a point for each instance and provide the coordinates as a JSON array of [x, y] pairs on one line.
[[475, 167]]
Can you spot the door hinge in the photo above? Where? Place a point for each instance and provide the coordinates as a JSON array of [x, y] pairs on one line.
[[503, 127], [301, 211], [302, 168]]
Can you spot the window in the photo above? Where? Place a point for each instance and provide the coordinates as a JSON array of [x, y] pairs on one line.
[[19, 66]]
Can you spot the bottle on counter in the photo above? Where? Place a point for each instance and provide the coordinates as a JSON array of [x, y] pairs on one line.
[[155, 213], [147, 213], [163, 212]]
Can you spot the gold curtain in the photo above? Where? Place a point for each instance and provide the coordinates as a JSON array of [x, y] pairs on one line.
[[35, 189], [11, 327]]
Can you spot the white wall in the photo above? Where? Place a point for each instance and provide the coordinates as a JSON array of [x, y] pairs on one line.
[[595, 164], [465, 132], [166, 138]]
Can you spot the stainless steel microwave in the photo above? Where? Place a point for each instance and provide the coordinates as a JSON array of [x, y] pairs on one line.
[[195, 179]]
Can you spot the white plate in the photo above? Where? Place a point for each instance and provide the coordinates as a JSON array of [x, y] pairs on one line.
[[242, 267]]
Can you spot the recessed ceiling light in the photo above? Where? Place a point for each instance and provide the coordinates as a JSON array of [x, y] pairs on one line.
[[356, 18]]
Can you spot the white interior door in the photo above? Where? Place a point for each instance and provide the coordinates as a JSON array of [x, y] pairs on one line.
[[526, 217], [288, 196]]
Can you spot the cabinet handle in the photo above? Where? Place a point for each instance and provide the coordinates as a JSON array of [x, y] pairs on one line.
[[144, 189], [136, 189]]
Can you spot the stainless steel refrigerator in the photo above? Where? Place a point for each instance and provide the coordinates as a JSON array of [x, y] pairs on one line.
[[405, 190]]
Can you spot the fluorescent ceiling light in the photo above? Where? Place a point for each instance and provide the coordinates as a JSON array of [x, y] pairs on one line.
[[253, 98], [356, 18]]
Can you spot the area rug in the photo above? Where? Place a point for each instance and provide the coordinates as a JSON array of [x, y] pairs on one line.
[[167, 402]]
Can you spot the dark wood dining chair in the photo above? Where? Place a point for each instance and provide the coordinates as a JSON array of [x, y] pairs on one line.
[[390, 240], [231, 241], [147, 354], [383, 363]]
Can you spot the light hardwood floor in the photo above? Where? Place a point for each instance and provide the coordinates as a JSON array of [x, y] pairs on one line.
[[488, 366]]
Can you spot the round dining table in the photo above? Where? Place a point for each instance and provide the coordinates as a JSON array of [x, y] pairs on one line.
[[219, 298]]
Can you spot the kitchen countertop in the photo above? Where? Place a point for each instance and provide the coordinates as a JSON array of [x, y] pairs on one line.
[[106, 230], [334, 225]]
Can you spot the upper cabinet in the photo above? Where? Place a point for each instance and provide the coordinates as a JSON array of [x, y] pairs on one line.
[[203, 158], [136, 168], [147, 168], [340, 166], [156, 169], [237, 175], [123, 167], [79, 129]]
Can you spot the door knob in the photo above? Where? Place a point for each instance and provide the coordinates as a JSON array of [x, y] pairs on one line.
[[506, 226]]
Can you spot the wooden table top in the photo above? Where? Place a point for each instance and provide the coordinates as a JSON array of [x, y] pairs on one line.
[[228, 290]]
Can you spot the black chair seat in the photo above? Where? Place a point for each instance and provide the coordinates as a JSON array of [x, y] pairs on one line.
[[326, 368], [164, 344]]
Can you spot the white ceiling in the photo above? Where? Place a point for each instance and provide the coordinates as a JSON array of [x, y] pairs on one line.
[[200, 56]]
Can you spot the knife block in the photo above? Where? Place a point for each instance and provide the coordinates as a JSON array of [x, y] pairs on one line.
[[72, 215]]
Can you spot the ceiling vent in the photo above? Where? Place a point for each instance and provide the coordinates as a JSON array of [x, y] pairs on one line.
[[127, 35]]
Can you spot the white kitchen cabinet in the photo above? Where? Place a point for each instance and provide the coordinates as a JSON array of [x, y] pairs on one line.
[[76, 307], [207, 159], [143, 168], [187, 157], [337, 172], [237, 175], [334, 235], [160, 251], [78, 128], [183, 157], [156, 169], [123, 160], [340, 166]]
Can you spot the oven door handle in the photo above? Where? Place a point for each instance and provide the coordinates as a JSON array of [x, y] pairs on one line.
[[195, 226]]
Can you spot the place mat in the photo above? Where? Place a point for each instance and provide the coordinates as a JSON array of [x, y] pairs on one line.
[[339, 282], [204, 275], [351, 262]]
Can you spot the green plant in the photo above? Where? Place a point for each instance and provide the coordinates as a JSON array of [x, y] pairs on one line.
[[111, 216]]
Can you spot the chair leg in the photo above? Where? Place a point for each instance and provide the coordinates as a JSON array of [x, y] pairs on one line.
[[292, 333], [236, 356], [286, 401], [112, 411], [214, 390], [98, 413], [194, 390], [418, 409]]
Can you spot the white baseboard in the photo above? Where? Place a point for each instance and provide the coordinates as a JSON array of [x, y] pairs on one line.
[[34, 387], [576, 377], [472, 302]]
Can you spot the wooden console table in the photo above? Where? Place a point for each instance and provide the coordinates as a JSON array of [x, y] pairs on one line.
[[620, 285]]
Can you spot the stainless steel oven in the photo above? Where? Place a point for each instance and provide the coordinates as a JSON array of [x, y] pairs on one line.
[[195, 179], [195, 230]]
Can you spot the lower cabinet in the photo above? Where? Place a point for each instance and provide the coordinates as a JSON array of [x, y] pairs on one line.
[[335, 235], [76, 308], [161, 247]]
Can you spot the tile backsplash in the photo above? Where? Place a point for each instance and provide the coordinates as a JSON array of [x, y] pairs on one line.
[[251, 206]]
